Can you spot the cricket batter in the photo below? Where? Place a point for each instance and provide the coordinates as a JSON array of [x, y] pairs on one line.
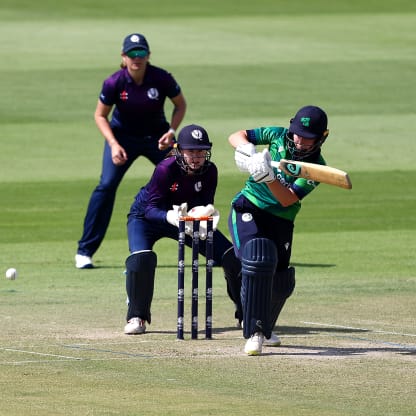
[[262, 217], [138, 127], [188, 179]]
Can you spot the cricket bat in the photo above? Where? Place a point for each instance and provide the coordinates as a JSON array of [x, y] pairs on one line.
[[315, 172]]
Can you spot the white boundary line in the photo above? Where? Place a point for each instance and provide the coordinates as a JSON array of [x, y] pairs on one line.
[[41, 353], [63, 358]]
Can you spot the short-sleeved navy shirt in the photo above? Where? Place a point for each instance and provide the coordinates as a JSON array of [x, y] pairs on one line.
[[139, 109], [169, 186]]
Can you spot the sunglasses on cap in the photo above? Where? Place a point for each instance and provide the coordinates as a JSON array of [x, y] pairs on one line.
[[137, 53]]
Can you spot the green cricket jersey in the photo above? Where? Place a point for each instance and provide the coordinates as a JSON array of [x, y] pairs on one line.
[[259, 193]]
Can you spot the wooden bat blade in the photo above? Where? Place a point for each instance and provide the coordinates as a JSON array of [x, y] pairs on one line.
[[315, 172]]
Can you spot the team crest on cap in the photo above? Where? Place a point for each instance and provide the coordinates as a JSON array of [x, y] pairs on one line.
[[197, 134], [134, 38], [305, 121]]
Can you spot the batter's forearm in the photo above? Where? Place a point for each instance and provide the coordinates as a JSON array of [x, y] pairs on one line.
[[237, 138], [284, 195]]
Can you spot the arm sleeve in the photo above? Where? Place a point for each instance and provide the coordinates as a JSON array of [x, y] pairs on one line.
[[213, 182], [158, 195], [264, 135], [251, 136], [172, 88], [302, 187], [108, 92]]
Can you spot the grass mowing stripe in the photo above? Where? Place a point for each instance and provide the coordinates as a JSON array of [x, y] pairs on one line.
[[359, 93], [48, 9], [53, 211]]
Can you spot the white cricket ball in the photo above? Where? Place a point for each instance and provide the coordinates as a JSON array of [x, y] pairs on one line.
[[11, 273]]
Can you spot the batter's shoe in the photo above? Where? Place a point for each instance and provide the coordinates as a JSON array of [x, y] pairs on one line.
[[273, 341], [254, 344], [135, 326], [83, 262]]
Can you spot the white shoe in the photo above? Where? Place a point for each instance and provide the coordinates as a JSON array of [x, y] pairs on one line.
[[83, 262], [254, 344], [135, 326], [273, 341]]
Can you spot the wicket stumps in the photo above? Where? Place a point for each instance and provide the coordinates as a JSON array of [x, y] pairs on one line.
[[209, 246]]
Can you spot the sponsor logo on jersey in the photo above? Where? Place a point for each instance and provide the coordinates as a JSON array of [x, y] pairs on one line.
[[282, 180], [174, 187], [124, 96]]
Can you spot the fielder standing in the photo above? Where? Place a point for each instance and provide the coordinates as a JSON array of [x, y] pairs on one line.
[[138, 127], [186, 180], [262, 217]]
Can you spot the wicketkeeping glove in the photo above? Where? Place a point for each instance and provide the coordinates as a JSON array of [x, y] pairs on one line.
[[205, 211], [242, 154], [260, 168], [177, 211]]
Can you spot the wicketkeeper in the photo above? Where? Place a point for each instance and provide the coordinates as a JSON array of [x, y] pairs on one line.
[[262, 217], [186, 180]]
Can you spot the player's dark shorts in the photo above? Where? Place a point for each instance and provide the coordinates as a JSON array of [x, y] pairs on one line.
[[246, 221]]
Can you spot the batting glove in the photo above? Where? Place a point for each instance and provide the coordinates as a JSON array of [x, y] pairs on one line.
[[242, 154], [260, 167]]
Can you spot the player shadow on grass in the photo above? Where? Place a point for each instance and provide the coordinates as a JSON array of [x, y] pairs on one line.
[[328, 351], [315, 351], [351, 334], [299, 330]]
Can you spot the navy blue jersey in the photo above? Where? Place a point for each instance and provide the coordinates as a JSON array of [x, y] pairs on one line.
[[139, 109], [169, 185]]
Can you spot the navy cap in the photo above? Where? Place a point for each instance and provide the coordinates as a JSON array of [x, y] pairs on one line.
[[135, 41], [194, 137], [309, 122]]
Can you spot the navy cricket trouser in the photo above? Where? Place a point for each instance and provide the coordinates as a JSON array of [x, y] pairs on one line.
[[101, 204]]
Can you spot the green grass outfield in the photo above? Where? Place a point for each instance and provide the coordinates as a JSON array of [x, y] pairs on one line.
[[349, 331]]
